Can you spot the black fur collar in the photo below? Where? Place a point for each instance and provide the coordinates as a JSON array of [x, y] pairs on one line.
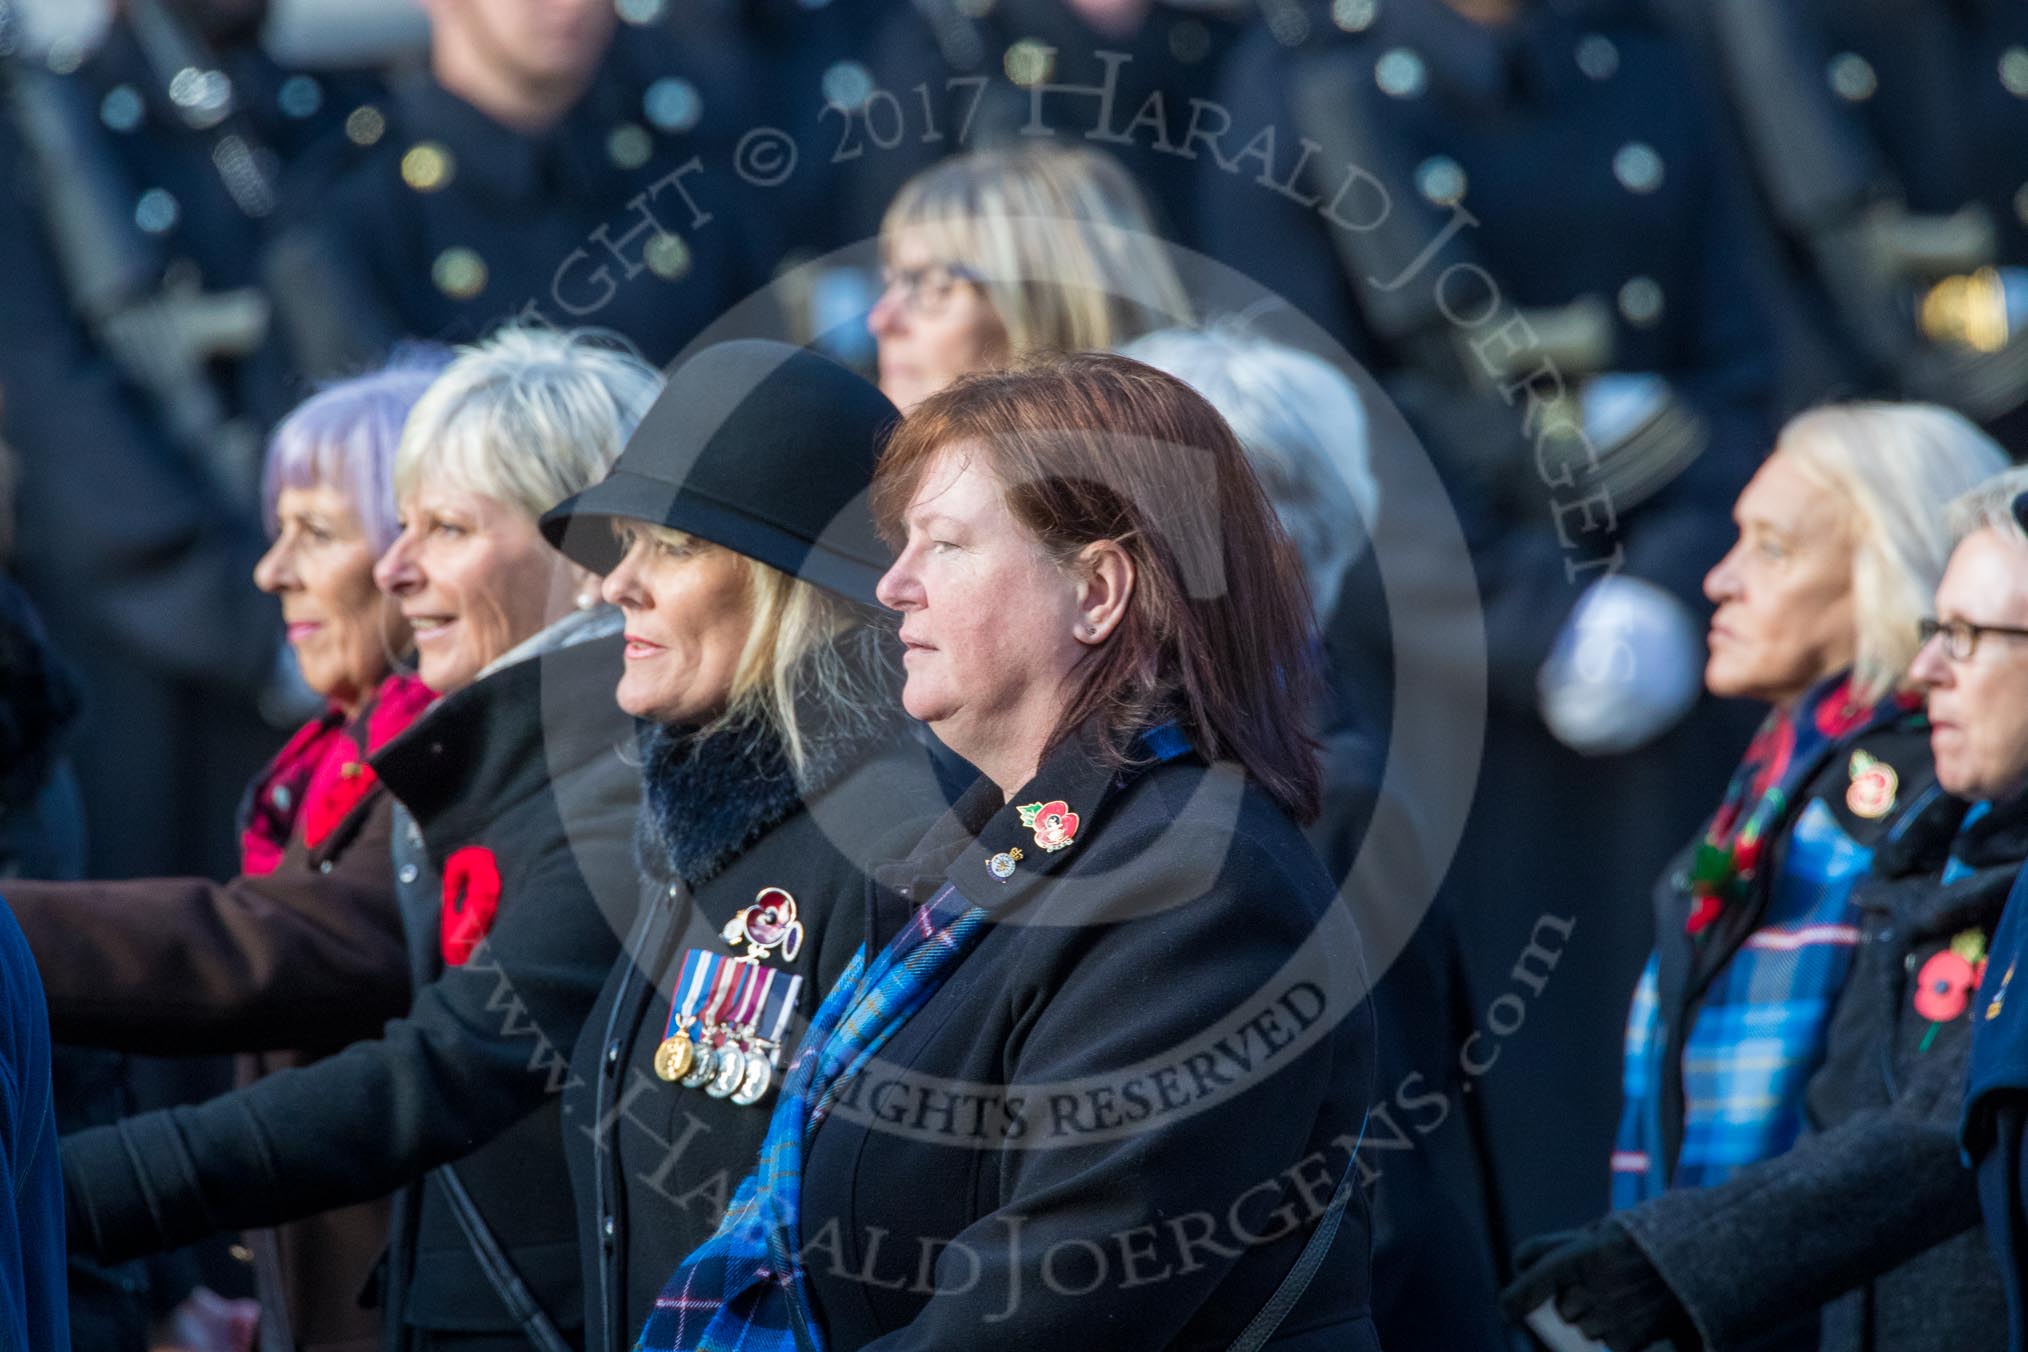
[[705, 800]]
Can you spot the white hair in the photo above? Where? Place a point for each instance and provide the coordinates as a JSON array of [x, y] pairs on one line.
[[527, 417], [1897, 466], [1304, 430], [1990, 506]]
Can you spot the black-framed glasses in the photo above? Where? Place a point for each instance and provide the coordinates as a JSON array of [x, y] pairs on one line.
[[927, 290], [1961, 637]]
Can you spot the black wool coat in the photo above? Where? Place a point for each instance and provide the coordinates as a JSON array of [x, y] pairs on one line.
[[1114, 1122], [1872, 1212], [655, 1163], [528, 766]]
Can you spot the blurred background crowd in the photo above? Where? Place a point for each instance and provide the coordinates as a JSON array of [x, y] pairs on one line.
[[1545, 277]]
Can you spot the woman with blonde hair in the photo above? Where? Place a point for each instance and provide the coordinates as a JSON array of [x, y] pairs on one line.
[[991, 256], [1842, 541]]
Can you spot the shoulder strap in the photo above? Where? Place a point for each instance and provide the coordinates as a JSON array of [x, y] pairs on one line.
[[507, 1283], [1263, 1325]]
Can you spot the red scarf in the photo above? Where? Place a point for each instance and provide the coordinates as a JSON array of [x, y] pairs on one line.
[[316, 780]]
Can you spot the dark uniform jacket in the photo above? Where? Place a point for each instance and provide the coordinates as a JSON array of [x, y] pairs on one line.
[[654, 1163], [1872, 1211], [434, 221], [286, 966], [521, 794], [1512, 170], [1115, 1121]]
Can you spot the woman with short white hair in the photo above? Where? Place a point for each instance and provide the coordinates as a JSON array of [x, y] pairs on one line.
[[517, 798], [1842, 541], [994, 255]]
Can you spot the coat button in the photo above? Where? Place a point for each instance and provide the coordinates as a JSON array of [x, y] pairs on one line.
[[324, 867], [1908, 963], [606, 1231], [409, 873], [612, 1054]]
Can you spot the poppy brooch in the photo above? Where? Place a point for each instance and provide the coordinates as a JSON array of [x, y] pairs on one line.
[[1054, 824], [471, 900], [767, 925], [1944, 986]]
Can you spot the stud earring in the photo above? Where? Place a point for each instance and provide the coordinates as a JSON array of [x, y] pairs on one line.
[[586, 600]]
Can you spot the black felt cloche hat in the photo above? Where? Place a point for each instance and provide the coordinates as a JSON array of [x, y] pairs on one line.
[[759, 446]]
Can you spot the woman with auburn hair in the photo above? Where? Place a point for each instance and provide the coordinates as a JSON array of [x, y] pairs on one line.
[[992, 256], [1098, 1071]]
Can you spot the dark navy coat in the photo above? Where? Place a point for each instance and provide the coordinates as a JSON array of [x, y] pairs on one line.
[[1115, 1122], [658, 1161], [1994, 1131]]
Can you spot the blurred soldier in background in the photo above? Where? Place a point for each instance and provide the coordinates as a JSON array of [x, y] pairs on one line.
[[975, 68], [139, 370], [1489, 204], [1888, 140], [545, 167]]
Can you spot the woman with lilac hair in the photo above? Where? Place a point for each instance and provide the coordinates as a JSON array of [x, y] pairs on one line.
[[302, 952]]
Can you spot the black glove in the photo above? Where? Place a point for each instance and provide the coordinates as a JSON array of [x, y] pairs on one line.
[[1603, 1285]]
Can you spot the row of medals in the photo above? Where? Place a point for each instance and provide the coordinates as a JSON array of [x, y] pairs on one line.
[[739, 1067]]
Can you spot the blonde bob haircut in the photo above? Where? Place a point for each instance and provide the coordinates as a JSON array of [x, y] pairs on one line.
[[1896, 467], [527, 417], [793, 661], [1059, 237]]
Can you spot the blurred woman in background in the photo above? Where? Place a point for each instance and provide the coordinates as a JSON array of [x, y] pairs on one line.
[[302, 952], [993, 255]]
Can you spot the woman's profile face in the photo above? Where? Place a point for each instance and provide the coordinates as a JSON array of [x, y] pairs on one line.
[[1784, 591], [473, 577], [688, 611], [988, 620], [930, 325], [343, 631]]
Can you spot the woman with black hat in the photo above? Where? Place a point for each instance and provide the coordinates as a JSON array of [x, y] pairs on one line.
[[759, 454], [735, 539]]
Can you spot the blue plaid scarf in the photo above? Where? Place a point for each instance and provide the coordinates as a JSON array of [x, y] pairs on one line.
[[1761, 1027], [744, 1287]]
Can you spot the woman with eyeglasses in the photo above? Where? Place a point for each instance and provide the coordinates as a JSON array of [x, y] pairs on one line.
[[1842, 540], [993, 255]]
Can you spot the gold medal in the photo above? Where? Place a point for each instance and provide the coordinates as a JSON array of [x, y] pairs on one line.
[[673, 1057]]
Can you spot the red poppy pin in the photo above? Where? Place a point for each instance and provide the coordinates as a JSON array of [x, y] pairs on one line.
[[331, 799], [1054, 824], [471, 898], [1945, 984], [770, 923]]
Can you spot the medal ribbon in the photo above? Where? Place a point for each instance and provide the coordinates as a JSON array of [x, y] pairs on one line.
[[777, 1009], [725, 977], [683, 998], [743, 1004]]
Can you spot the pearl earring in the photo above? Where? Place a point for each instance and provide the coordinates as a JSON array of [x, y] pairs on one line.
[[586, 600]]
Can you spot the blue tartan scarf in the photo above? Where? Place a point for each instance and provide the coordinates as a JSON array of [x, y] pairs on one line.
[[744, 1287], [1760, 1029]]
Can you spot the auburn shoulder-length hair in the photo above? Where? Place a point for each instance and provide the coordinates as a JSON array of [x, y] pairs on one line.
[[1218, 634]]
